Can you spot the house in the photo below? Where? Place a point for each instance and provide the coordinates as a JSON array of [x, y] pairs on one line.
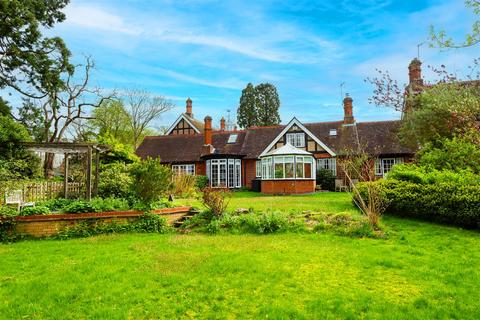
[[280, 159]]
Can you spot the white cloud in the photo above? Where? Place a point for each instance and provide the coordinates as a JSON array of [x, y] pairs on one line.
[[94, 17]]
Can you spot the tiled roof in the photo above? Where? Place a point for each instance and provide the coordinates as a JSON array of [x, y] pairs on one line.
[[374, 137], [188, 148], [197, 123]]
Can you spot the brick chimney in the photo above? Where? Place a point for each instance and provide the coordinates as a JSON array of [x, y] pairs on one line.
[[189, 108], [222, 124], [348, 110], [208, 130], [415, 72]]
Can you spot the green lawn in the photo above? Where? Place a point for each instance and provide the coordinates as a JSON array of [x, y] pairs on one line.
[[328, 202], [421, 271]]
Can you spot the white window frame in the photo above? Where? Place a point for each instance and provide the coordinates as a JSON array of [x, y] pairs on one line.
[[224, 173], [268, 167], [258, 168], [380, 164], [328, 164], [296, 139], [188, 168]]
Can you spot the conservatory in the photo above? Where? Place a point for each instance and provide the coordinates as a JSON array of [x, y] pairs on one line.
[[288, 170]]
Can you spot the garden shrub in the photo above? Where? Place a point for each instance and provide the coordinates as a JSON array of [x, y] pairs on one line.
[[446, 202], [57, 204], [6, 211], [115, 181], [216, 199], [422, 175], [97, 205], [151, 180], [184, 185], [454, 154], [201, 182], [147, 223], [30, 211], [326, 179]]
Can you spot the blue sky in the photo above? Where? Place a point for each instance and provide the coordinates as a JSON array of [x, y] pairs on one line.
[[209, 50]]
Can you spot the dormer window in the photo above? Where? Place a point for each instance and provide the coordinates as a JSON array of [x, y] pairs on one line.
[[233, 138], [333, 132]]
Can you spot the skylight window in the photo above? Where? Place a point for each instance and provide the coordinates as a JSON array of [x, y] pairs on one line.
[[333, 132], [233, 138]]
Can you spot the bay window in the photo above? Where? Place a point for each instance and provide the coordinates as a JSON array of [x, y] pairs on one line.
[[288, 167]]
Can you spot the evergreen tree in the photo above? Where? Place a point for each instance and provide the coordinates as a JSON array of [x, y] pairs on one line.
[[267, 104], [247, 114], [258, 106]]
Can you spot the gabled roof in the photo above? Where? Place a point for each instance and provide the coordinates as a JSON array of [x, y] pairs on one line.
[[293, 122], [197, 125]]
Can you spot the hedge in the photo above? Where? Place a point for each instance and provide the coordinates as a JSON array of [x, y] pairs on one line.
[[445, 202]]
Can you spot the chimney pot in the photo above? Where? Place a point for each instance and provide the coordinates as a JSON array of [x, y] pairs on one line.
[[348, 110], [189, 108]]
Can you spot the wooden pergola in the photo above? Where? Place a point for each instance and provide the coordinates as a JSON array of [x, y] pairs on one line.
[[66, 148]]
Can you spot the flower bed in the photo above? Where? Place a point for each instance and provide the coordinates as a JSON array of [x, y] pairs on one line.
[[52, 224]]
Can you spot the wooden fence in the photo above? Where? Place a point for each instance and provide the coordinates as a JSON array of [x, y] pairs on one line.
[[41, 191]]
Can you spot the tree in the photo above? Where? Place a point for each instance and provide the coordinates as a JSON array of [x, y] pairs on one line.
[[113, 121], [30, 63], [258, 106], [65, 105], [442, 111], [441, 40], [268, 103], [143, 108], [15, 160], [5, 109], [247, 112], [31, 116]]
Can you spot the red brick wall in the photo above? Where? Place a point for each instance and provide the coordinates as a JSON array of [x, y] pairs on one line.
[[249, 172], [288, 186], [48, 225], [201, 168]]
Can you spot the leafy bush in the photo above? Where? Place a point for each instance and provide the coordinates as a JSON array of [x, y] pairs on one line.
[[79, 206], [57, 204], [326, 179], [148, 223], [215, 199], [97, 205], [423, 175], [6, 211], [201, 183], [447, 202], [30, 211], [152, 180], [346, 225], [115, 181], [184, 185], [451, 154]]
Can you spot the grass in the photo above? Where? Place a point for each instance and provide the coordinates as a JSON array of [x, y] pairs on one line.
[[422, 271], [328, 202]]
